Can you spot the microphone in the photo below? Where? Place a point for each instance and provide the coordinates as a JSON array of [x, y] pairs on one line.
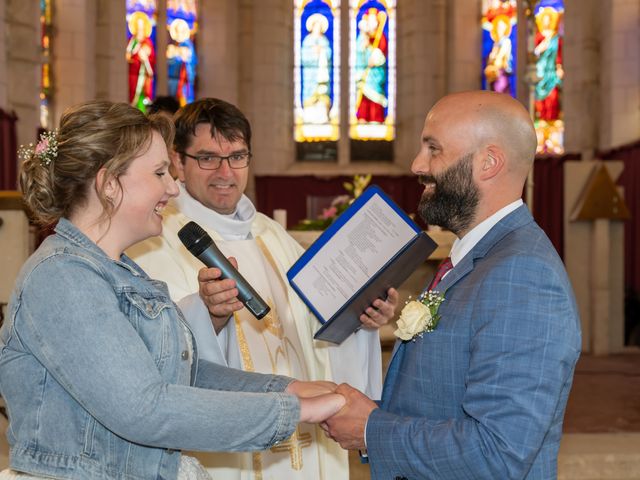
[[200, 244]]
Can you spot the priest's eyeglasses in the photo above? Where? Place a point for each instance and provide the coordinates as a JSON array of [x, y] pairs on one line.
[[214, 162]]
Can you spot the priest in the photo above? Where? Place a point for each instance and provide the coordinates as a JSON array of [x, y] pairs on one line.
[[212, 154]]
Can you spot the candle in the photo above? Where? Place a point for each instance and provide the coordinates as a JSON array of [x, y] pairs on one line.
[[280, 216]]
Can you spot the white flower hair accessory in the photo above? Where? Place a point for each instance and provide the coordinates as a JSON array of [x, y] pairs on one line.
[[419, 316], [46, 150]]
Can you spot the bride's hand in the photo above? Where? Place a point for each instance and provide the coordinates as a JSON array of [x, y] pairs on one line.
[[303, 389], [320, 408]]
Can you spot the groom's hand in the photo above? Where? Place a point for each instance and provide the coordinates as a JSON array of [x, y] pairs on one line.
[[347, 426], [381, 311]]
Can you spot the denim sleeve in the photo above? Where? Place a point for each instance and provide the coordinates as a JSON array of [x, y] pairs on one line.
[[214, 376], [70, 319]]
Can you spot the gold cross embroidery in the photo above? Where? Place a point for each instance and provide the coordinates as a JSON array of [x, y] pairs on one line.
[[294, 444]]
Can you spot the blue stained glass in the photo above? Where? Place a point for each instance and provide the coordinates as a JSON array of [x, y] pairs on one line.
[[499, 45], [182, 17], [316, 55], [550, 72], [316, 75]]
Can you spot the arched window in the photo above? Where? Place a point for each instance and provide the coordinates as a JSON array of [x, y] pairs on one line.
[[499, 42], [372, 62], [323, 96], [45, 69], [317, 78], [549, 15], [182, 24], [500, 61], [141, 51]]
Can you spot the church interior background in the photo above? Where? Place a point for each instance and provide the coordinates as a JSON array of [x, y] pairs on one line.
[[339, 88]]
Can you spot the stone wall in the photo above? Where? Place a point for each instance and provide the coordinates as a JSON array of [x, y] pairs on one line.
[[620, 74], [111, 42], [22, 66], [245, 56], [4, 77]]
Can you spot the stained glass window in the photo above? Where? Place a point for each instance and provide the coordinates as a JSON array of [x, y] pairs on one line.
[[182, 24], [499, 34], [141, 51], [372, 70], [549, 34], [45, 71], [317, 77]]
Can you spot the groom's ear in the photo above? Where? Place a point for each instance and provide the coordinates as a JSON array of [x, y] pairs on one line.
[[492, 163]]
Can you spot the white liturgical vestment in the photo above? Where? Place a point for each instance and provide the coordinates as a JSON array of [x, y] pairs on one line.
[[281, 343]]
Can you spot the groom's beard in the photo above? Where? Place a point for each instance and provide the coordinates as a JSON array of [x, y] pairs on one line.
[[453, 202]]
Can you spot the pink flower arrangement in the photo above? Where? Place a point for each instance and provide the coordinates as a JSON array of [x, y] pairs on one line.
[[42, 146], [46, 150]]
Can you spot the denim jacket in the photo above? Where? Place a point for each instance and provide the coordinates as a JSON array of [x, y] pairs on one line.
[[95, 369]]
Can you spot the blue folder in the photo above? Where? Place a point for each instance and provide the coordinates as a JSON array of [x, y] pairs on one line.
[[396, 270]]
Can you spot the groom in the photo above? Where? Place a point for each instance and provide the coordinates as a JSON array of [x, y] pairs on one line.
[[483, 395]]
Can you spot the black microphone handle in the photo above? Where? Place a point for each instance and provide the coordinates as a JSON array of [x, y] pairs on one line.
[[213, 257]]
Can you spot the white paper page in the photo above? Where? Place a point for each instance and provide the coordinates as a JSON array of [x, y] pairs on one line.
[[353, 255]]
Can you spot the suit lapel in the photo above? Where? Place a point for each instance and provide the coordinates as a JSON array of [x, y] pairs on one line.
[[516, 219]]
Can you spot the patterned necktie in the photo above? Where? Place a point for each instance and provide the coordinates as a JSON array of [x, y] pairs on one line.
[[443, 268]]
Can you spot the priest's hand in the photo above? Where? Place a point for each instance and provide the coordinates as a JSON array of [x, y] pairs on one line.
[[381, 311], [347, 427], [220, 296]]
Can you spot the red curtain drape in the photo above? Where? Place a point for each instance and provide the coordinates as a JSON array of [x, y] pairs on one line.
[[291, 193], [548, 198], [630, 181], [8, 151]]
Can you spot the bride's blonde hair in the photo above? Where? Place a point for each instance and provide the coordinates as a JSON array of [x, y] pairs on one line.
[[91, 136]]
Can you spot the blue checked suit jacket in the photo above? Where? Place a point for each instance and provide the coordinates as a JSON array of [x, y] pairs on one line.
[[483, 395]]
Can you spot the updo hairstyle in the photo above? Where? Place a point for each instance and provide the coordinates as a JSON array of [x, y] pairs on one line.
[[91, 136]]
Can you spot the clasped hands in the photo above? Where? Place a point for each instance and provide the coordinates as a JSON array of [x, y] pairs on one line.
[[341, 410]]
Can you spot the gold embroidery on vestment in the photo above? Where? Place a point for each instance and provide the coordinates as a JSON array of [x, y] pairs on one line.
[[243, 345], [257, 465], [294, 445], [247, 363], [271, 323]]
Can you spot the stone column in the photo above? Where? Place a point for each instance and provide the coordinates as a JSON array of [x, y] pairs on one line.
[[111, 43], [581, 89], [219, 50], [422, 61], [270, 105], [162, 40], [619, 73], [463, 45], [74, 55], [23, 66]]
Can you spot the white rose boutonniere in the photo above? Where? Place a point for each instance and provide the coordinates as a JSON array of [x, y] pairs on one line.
[[419, 316]]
